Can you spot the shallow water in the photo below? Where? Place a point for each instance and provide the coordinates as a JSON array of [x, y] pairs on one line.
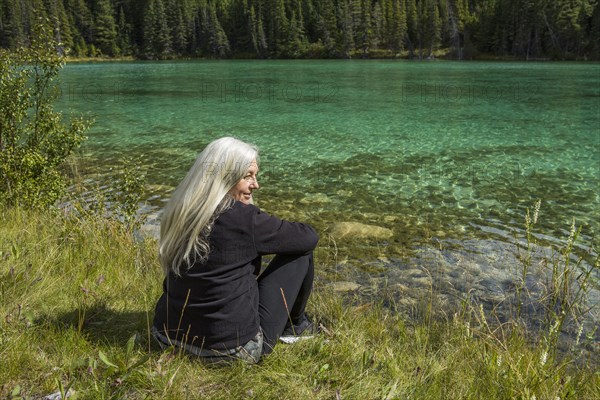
[[446, 154], [456, 146]]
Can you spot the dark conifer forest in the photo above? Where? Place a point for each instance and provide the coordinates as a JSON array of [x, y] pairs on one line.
[[162, 29]]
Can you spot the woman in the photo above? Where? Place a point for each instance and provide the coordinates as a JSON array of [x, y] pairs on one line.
[[212, 240]]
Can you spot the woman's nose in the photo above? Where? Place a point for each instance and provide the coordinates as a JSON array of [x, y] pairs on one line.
[[255, 184]]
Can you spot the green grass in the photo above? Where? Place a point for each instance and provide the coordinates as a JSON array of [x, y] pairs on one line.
[[76, 300]]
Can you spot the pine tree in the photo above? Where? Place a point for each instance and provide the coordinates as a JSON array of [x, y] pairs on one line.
[[252, 28], [81, 48], [413, 28], [327, 24], [215, 39], [82, 20], [258, 39], [261, 37], [423, 18], [13, 32], [58, 21], [238, 26], [344, 41], [295, 44], [585, 22], [594, 32], [310, 21], [105, 32], [433, 31], [394, 24], [442, 7], [377, 26], [280, 26], [485, 32], [195, 34], [177, 23], [362, 25], [567, 24], [157, 41], [64, 28], [124, 34]]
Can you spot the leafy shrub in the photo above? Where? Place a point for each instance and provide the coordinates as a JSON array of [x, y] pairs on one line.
[[34, 139]]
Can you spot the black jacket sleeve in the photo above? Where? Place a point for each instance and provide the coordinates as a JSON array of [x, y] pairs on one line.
[[276, 236]]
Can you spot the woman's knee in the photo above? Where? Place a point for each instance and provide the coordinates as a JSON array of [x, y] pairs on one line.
[[290, 264]]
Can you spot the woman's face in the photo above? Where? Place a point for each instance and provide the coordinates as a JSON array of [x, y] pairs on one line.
[[243, 190]]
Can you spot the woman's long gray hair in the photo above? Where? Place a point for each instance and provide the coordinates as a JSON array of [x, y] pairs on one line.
[[202, 195]]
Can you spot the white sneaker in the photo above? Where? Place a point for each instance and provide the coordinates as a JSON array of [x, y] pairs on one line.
[[294, 339]]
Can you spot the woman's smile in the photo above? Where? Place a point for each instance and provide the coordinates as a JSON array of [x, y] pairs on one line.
[[244, 188]]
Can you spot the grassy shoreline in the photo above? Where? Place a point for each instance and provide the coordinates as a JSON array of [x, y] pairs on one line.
[[77, 297]]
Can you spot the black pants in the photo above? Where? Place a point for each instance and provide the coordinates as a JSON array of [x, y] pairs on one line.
[[284, 288]]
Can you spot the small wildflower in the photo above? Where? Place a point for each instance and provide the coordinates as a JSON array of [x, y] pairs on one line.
[[527, 219], [536, 211], [533, 397], [499, 361], [544, 358]]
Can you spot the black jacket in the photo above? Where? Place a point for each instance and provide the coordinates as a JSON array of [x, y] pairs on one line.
[[215, 304]]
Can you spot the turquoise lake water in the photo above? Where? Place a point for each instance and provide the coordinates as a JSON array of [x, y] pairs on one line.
[[451, 149]]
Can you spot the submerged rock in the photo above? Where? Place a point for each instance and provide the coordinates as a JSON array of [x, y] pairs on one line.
[[390, 218], [356, 230], [315, 198]]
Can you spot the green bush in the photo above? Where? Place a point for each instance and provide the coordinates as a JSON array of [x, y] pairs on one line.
[[34, 139]]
